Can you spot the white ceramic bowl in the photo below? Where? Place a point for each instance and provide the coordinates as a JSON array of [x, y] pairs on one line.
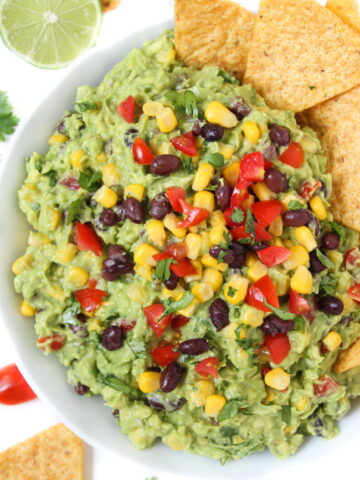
[[87, 416]]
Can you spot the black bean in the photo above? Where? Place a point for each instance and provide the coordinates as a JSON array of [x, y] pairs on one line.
[[331, 241], [112, 338], [239, 106], [130, 136], [81, 389], [212, 132], [219, 314], [195, 346], [215, 250], [170, 377], [279, 135], [81, 317], [314, 224], [276, 180], [153, 369], [156, 404], [120, 211], [296, 218], [115, 413], [118, 253], [172, 281], [257, 246], [229, 257], [223, 195], [315, 265], [112, 269], [240, 255], [108, 217], [330, 305], [165, 164], [196, 130], [273, 325], [159, 206], [346, 320], [134, 210]]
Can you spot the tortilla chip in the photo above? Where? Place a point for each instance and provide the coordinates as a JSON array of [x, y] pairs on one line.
[[213, 32], [347, 10], [302, 54], [108, 5], [53, 454], [342, 146], [349, 358]]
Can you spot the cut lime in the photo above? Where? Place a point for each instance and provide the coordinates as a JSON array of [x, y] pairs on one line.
[[50, 33]]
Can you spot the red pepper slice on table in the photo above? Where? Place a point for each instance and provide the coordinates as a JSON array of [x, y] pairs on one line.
[[142, 152], [208, 367], [54, 342], [293, 155], [278, 346], [325, 386], [164, 355], [86, 238], [183, 268], [298, 304], [13, 387], [252, 167], [127, 109], [260, 290], [272, 256], [185, 143], [90, 299], [354, 292], [194, 215], [153, 314], [261, 235], [175, 194], [267, 211]]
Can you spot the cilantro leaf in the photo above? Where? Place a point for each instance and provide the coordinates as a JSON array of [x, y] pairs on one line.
[[162, 270], [211, 188], [295, 205], [286, 414], [328, 285], [238, 216], [8, 121], [120, 386], [339, 229], [84, 106], [185, 101], [188, 165], [249, 223], [216, 159], [229, 411], [170, 306], [90, 181], [74, 210], [228, 431], [312, 87], [231, 291], [53, 178], [228, 78], [324, 259], [280, 313]]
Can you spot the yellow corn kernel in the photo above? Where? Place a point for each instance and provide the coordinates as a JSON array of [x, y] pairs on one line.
[[204, 200], [205, 388], [205, 242], [202, 177], [202, 291], [21, 264], [299, 256], [65, 252], [301, 281], [214, 404], [235, 289], [251, 316], [149, 382], [101, 157], [309, 144], [110, 174], [256, 271], [231, 173], [226, 150], [277, 242], [251, 259], [106, 197], [196, 276], [59, 138], [288, 244], [336, 257], [50, 218], [27, 309], [276, 227], [167, 57], [77, 276], [332, 341], [189, 310], [164, 148], [135, 190], [151, 109], [292, 197], [251, 131], [263, 192], [176, 294], [210, 261], [193, 243], [217, 218], [143, 254], [302, 404], [166, 120], [213, 277], [318, 207], [216, 112], [277, 379], [170, 222], [76, 158], [217, 234], [156, 232], [38, 239], [305, 237], [144, 271], [95, 326]]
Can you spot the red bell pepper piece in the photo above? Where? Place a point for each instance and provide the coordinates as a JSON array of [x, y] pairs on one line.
[[127, 325], [266, 212], [354, 292], [194, 215], [90, 299], [240, 193], [54, 342], [142, 152], [352, 258], [278, 346], [127, 109], [175, 194], [87, 239], [208, 367], [182, 268], [308, 189], [229, 221], [261, 235], [298, 304], [272, 256], [252, 167], [185, 143], [176, 250], [179, 321], [13, 387], [260, 290], [161, 256], [164, 355], [325, 386], [153, 314], [293, 155]]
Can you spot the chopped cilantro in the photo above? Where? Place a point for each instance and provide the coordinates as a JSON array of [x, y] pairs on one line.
[[8, 121], [249, 223], [238, 216], [211, 188], [85, 106], [228, 78], [229, 411], [90, 181], [312, 87], [228, 431], [295, 205], [339, 229], [74, 210], [280, 313], [170, 306], [216, 159], [286, 414], [188, 165], [185, 101], [328, 285], [53, 178], [120, 386], [231, 291], [324, 259], [162, 270]]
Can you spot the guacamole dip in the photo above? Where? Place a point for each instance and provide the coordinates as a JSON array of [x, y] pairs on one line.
[[183, 263]]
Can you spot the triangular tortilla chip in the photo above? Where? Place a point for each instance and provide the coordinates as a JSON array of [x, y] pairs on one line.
[[347, 10], [54, 454], [213, 32], [349, 358], [302, 54]]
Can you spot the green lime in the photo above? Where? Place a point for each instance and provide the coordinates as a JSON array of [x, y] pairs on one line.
[[49, 33]]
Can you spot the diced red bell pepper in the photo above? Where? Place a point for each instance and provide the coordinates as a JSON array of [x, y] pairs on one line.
[[260, 290], [278, 346], [153, 314], [142, 152], [293, 155], [352, 258], [267, 211], [177, 250], [183, 268], [272, 256], [194, 215], [13, 387], [229, 221], [179, 321], [298, 304], [354, 292], [185, 143], [325, 386], [265, 369], [127, 325], [90, 299], [87, 239], [252, 167], [161, 256], [127, 109], [261, 235], [208, 367], [175, 194], [240, 193], [308, 189], [91, 283], [164, 355], [54, 342]]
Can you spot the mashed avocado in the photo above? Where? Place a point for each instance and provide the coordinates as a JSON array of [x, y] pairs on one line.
[[183, 263]]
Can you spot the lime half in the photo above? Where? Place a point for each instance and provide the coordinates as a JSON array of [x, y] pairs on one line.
[[50, 33]]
